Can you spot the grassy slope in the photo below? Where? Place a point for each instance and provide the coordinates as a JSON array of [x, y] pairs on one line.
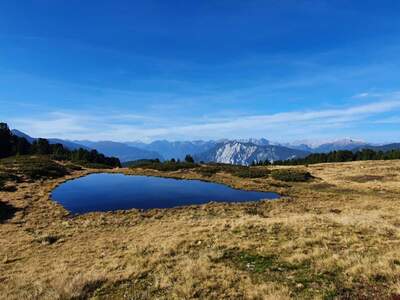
[[334, 237]]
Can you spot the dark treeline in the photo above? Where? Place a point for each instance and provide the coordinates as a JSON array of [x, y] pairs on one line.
[[340, 156], [11, 145]]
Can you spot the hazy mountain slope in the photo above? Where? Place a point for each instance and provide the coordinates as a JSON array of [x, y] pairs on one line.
[[68, 144], [301, 147], [121, 150], [387, 147], [235, 152], [23, 135], [177, 150], [345, 144], [258, 142]]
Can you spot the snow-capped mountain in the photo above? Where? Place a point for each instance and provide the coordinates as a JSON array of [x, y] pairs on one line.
[[243, 153]]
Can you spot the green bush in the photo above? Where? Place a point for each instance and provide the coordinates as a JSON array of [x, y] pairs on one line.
[[208, 171], [227, 168], [251, 172], [291, 175]]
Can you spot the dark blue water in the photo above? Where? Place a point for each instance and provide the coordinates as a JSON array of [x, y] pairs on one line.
[[107, 192]]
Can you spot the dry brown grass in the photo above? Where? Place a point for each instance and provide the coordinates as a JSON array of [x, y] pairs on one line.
[[336, 236]]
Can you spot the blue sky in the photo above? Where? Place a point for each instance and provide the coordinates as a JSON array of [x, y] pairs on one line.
[[144, 70]]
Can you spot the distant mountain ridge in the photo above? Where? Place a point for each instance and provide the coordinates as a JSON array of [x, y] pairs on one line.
[[387, 147], [343, 144], [121, 150], [175, 149], [245, 153], [68, 144], [236, 151]]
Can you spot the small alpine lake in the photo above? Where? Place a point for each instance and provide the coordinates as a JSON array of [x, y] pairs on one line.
[[109, 192]]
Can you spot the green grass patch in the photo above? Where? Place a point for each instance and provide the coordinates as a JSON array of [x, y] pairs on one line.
[[291, 175], [301, 279]]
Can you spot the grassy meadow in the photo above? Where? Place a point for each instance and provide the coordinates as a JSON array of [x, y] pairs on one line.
[[335, 234]]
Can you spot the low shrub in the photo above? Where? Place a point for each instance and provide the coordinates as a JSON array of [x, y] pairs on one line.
[[139, 162], [208, 171], [291, 175], [43, 169], [33, 167], [251, 172], [73, 167]]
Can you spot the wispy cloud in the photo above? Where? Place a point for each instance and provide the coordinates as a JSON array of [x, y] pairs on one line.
[[278, 126], [390, 95], [362, 95]]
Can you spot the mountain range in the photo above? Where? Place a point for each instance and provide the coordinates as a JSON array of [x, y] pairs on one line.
[[325, 147], [123, 151], [67, 144], [240, 151], [175, 149], [244, 153]]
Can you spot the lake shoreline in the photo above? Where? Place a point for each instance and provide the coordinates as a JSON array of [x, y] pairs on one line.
[[116, 191]]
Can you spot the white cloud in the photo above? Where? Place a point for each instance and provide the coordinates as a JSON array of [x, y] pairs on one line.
[[361, 95], [123, 127], [394, 94]]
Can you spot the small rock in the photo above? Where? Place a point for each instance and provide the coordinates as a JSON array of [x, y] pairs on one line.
[[299, 285]]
